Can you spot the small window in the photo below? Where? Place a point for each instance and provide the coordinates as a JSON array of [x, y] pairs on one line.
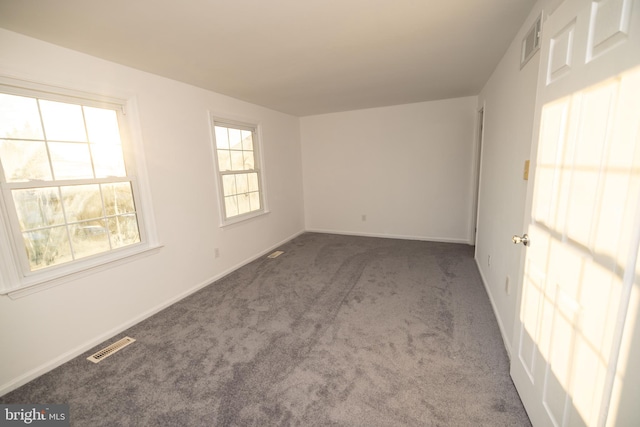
[[237, 158], [67, 182]]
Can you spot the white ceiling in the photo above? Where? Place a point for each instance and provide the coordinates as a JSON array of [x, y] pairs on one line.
[[301, 57]]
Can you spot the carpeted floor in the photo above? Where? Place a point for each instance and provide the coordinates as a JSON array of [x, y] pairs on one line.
[[337, 331]]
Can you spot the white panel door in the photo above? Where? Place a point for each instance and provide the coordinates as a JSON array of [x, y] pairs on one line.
[[583, 213]]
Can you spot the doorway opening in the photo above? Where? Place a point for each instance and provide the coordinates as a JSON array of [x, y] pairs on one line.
[[476, 177]]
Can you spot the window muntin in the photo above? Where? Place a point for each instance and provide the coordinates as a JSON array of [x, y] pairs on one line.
[[237, 159], [64, 179]]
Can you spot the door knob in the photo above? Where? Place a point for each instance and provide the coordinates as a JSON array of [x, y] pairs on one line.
[[524, 239]]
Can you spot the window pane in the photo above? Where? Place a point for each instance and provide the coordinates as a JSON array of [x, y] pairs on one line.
[[224, 160], [242, 183], [62, 121], [70, 160], [82, 202], [47, 247], [247, 140], [102, 125], [241, 191], [89, 238], [248, 160], [124, 230], [19, 117], [231, 206], [235, 139], [108, 160], [222, 137], [243, 204], [229, 185], [24, 161], [237, 161], [43, 140], [118, 198], [254, 200], [38, 207], [253, 182]]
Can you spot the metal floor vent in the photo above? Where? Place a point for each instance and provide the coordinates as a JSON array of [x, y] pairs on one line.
[[275, 254], [108, 351]]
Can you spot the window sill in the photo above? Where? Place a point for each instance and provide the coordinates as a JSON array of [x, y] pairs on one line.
[[38, 283], [242, 218]]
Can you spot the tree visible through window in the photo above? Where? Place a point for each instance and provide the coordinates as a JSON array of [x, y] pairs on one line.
[[64, 179], [236, 148]]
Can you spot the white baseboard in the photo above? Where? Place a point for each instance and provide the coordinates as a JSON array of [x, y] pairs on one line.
[[77, 351], [389, 236], [505, 338]]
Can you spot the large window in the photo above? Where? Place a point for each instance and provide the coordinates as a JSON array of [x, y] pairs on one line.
[[237, 153], [67, 186]]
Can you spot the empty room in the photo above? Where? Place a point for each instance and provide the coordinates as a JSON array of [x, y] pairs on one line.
[[314, 213]]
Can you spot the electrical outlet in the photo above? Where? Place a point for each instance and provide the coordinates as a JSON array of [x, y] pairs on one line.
[[216, 253], [507, 285], [364, 217], [489, 260]]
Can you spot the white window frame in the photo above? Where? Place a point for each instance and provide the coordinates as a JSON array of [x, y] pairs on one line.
[[255, 128], [16, 279]]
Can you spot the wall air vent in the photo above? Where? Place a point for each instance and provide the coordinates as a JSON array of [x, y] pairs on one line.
[[531, 42], [108, 351]]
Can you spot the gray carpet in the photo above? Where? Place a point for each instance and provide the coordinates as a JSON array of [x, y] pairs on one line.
[[337, 331]]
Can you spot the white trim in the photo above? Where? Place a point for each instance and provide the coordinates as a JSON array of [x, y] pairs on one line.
[[255, 127], [15, 279], [242, 218], [389, 236], [505, 339], [147, 225], [476, 174], [9, 269], [19, 86], [88, 345]]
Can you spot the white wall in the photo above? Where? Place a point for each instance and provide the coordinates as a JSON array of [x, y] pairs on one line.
[[44, 329], [508, 99], [407, 168]]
